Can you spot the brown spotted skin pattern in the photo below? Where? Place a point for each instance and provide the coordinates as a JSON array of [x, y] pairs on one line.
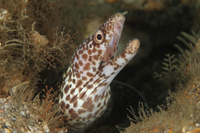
[[85, 90]]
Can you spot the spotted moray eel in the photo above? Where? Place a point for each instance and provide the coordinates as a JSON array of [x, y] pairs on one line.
[[85, 90]]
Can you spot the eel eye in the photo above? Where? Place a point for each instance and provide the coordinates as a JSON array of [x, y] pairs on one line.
[[98, 37]]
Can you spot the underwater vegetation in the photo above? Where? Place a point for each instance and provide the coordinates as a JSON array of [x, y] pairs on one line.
[[29, 44], [24, 51], [181, 114], [30, 114]]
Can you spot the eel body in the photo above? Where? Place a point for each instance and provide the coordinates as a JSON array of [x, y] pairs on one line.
[[85, 90]]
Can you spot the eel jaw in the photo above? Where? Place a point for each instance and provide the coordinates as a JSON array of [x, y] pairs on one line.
[[110, 65]]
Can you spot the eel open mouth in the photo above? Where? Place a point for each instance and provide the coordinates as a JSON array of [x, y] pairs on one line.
[[112, 65]]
